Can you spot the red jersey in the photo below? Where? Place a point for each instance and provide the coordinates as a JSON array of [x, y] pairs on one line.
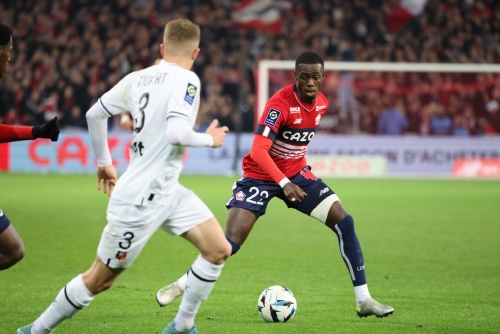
[[290, 124], [10, 133]]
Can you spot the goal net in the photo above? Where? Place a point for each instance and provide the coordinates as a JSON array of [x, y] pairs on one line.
[[467, 94]]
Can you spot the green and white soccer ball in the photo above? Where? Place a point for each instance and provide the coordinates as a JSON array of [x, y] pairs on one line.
[[277, 304]]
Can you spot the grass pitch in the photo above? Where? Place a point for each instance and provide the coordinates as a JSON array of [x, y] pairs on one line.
[[431, 249]]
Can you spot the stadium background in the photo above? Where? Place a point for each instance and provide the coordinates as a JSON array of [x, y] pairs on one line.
[[68, 53]]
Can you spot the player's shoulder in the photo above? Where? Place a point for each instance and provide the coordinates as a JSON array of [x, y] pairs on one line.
[[322, 96], [182, 74], [284, 94], [282, 97], [321, 101]]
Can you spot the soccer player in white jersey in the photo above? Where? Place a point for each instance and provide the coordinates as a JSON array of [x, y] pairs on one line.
[[163, 100]]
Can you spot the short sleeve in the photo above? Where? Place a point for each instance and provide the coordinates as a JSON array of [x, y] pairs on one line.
[[273, 117], [185, 97], [118, 98]]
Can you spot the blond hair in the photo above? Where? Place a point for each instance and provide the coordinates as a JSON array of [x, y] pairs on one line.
[[181, 37]]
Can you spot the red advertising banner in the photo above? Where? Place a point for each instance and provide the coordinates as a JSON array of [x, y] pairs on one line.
[[476, 168]]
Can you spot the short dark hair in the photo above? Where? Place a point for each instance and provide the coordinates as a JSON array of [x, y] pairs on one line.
[[309, 58], [5, 35]]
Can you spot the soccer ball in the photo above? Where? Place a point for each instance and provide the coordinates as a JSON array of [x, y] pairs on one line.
[[277, 304]]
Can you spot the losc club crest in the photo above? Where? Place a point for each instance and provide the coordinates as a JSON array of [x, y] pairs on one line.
[[240, 196], [121, 256]]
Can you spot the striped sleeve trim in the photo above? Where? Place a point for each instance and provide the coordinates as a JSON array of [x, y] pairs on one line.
[[106, 109]]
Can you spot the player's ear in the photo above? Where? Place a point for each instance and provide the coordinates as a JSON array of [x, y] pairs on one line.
[[195, 53], [162, 49]]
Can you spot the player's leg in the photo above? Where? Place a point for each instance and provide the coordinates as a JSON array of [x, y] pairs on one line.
[[248, 203], [343, 225], [195, 222], [238, 227], [204, 272], [121, 243], [324, 205], [11, 244], [74, 296]]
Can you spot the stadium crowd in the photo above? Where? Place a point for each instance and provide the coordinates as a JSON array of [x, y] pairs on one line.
[[67, 53]]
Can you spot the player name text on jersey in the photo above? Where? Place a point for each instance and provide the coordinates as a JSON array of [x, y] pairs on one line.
[[146, 80]]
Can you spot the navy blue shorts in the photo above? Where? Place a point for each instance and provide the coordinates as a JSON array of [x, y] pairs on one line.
[[4, 221], [254, 195]]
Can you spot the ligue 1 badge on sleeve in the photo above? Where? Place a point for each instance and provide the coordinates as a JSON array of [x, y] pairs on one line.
[[190, 93], [272, 117]]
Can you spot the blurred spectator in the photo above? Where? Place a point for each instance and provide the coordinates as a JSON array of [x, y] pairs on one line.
[[458, 129], [11, 118], [392, 121], [414, 115], [68, 53], [75, 119], [367, 124], [440, 123], [493, 109]]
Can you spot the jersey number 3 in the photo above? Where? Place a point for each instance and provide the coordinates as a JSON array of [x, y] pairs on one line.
[[139, 146], [138, 127]]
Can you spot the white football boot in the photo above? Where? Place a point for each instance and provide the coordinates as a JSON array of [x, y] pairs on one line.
[[372, 307], [168, 294]]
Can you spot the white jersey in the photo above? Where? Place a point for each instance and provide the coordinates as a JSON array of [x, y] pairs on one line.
[[152, 95]]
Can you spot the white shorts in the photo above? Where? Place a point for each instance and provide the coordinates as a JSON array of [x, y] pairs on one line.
[[131, 226]]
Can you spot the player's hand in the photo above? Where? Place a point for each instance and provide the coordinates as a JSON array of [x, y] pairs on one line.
[[126, 121], [48, 130], [108, 176], [293, 192], [218, 134]]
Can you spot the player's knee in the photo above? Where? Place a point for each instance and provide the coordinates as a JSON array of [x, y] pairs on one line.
[[323, 211], [220, 254], [18, 255], [13, 256], [345, 226]]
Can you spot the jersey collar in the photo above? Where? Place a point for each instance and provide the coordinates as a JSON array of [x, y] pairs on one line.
[[163, 61]]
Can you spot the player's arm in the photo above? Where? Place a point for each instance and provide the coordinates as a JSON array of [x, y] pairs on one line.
[[260, 154], [182, 110], [9, 133], [180, 132], [265, 134], [111, 103]]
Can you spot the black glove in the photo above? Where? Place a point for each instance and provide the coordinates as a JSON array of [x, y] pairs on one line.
[[48, 130]]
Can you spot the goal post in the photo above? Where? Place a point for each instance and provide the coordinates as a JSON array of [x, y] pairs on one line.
[[472, 77]]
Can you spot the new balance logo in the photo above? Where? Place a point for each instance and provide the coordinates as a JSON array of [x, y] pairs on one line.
[[295, 109], [298, 121], [323, 191]]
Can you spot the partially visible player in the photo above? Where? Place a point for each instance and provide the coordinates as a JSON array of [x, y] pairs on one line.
[[276, 167], [11, 245], [163, 100]]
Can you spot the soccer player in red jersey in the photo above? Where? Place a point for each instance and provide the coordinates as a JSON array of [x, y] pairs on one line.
[[276, 167], [11, 244]]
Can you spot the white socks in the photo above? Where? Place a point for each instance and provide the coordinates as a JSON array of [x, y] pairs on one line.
[[199, 283], [362, 293], [181, 282], [70, 300]]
